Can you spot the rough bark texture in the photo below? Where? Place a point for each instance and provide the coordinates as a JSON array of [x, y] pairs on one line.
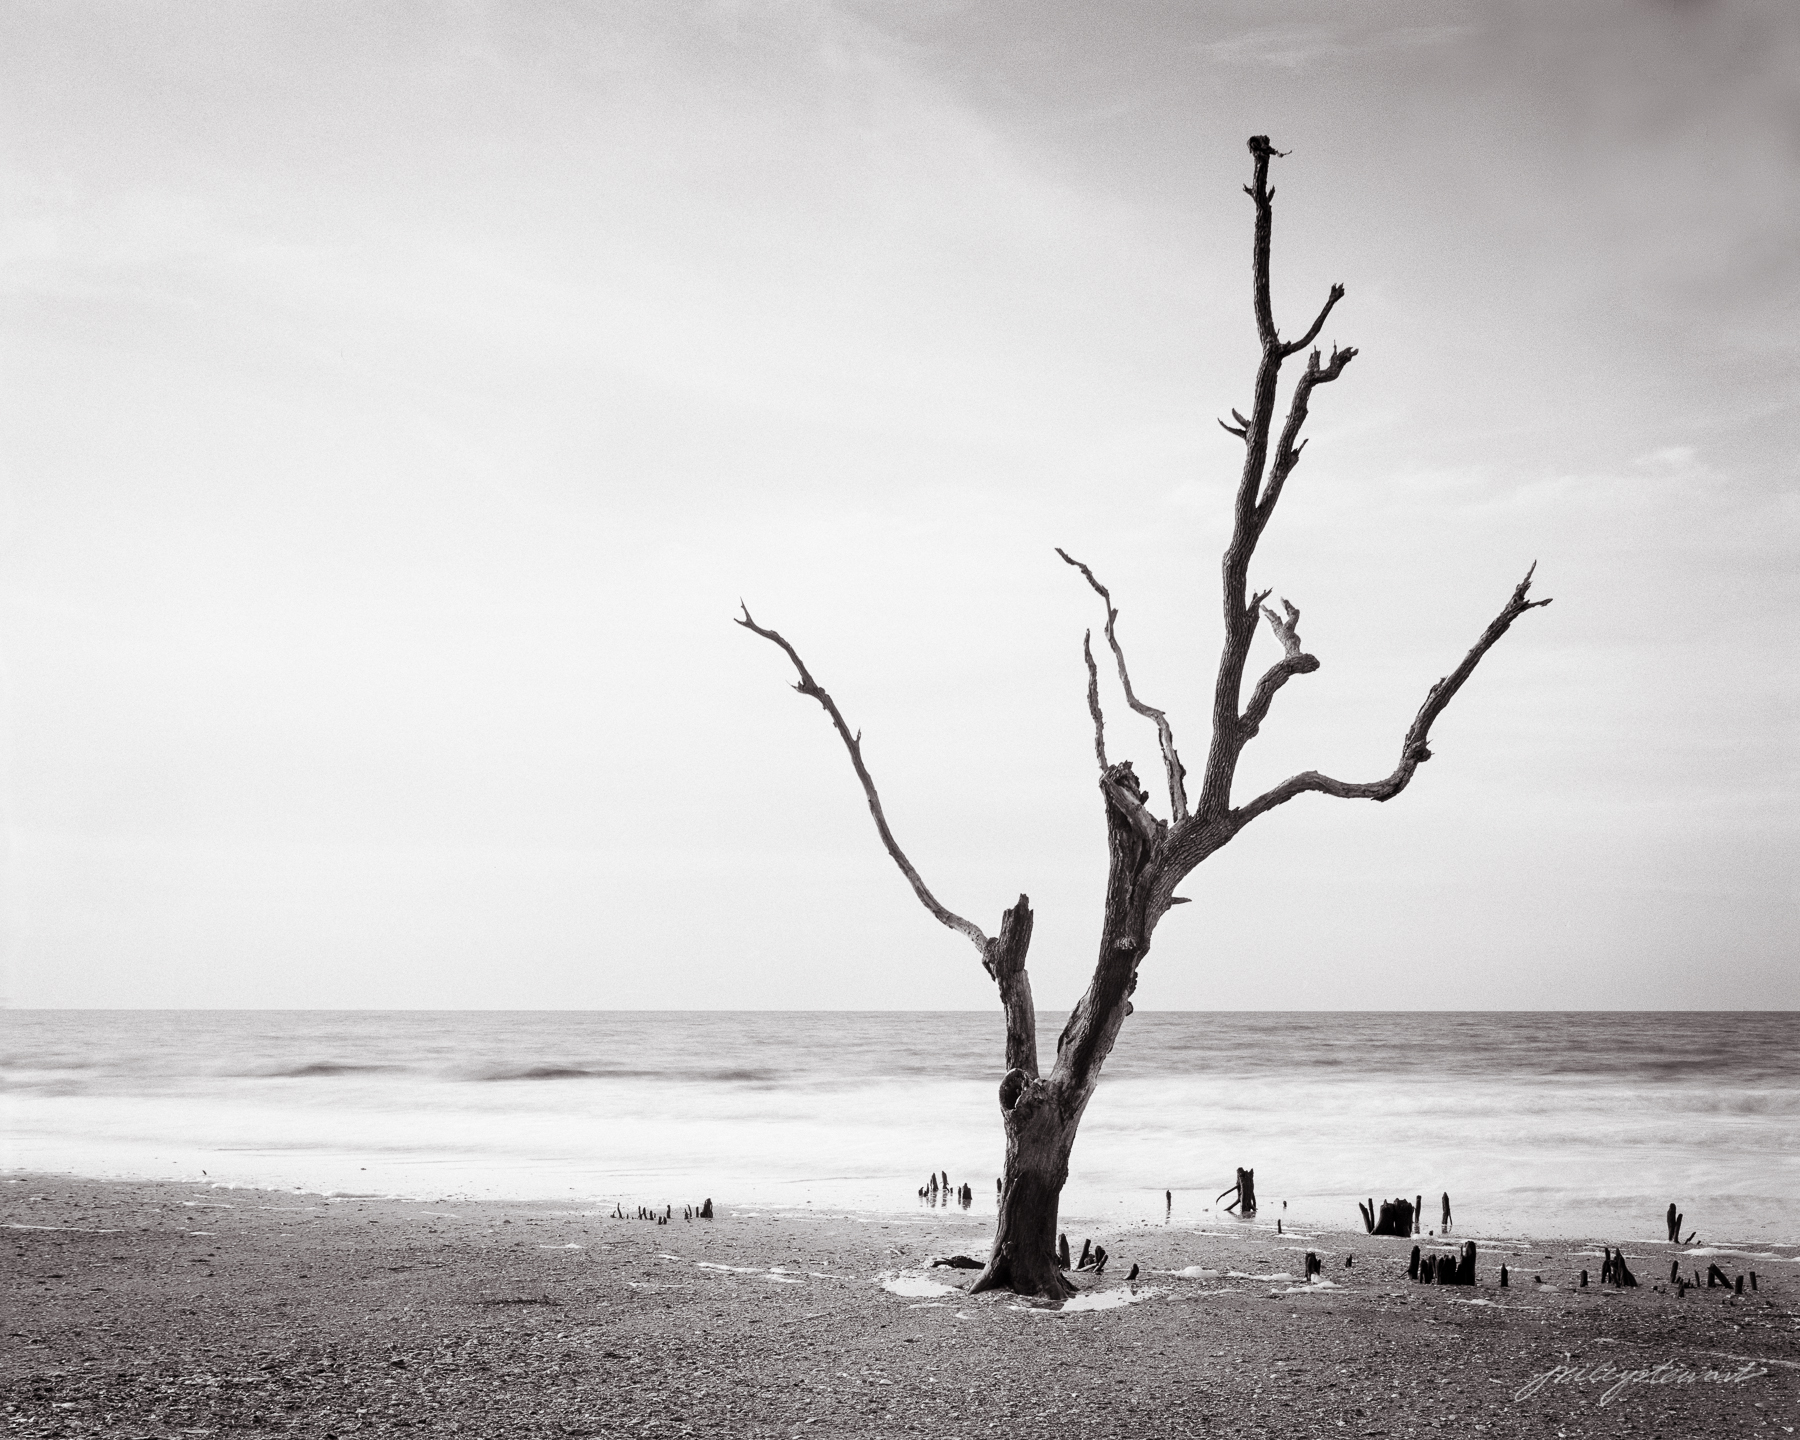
[[1147, 856]]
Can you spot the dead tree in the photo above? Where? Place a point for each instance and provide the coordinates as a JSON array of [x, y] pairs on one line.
[[1149, 856]]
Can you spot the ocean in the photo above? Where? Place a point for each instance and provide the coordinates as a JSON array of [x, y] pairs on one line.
[[1562, 1124]]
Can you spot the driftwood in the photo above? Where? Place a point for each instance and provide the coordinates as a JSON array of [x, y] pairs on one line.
[[1412, 1269], [1716, 1276], [1418, 1212], [1062, 1252], [1312, 1264], [954, 1262], [1503, 1277], [1087, 1255], [1149, 856], [1615, 1271], [1245, 1186], [1444, 1225], [706, 1209], [1675, 1220], [1132, 1275]]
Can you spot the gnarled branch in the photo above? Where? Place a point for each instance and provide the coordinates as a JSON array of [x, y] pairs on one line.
[[1287, 451], [853, 743], [1087, 654], [1414, 750], [1165, 733], [1120, 782], [1296, 346], [1294, 662]]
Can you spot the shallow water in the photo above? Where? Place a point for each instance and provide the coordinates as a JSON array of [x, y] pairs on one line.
[[1550, 1124]]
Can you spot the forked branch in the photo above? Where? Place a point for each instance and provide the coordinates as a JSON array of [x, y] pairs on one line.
[[1287, 450], [1164, 731], [1295, 661], [1415, 749], [1296, 346], [853, 743]]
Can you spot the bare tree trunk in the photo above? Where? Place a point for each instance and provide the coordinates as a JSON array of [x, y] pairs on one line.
[[1042, 1115], [1038, 1141]]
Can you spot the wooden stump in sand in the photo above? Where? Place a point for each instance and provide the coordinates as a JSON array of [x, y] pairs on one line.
[[1245, 1204], [1396, 1218]]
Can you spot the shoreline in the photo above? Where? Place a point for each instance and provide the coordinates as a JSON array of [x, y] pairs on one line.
[[158, 1307], [1129, 1218]]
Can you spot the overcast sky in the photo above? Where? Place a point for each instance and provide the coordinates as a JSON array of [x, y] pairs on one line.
[[398, 399]]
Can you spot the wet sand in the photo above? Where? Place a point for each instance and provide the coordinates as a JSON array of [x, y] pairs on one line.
[[155, 1309]]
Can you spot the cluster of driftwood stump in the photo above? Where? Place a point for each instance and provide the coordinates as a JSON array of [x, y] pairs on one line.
[[666, 1214], [932, 1192], [1446, 1268], [1401, 1217]]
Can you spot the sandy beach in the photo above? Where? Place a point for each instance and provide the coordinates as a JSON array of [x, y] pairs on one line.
[[163, 1309]]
